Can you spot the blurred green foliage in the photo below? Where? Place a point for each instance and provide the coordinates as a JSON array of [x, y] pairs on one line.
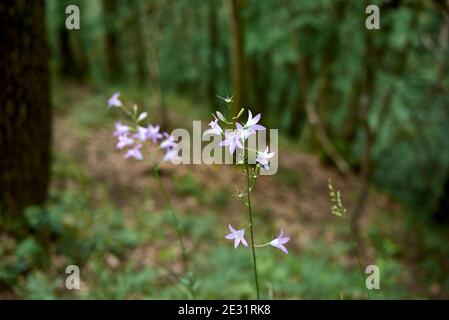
[[408, 54]]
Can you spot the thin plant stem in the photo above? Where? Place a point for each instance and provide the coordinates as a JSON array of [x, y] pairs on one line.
[[356, 249], [174, 217], [184, 255], [251, 231]]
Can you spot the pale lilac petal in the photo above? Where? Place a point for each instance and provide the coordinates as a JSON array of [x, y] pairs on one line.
[[250, 116], [283, 249], [255, 119], [232, 147], [114, 100], [230, 236], [224, 143], [258, 127]]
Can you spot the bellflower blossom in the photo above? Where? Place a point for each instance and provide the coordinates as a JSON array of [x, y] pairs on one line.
[[153, 133], [280, 241], [214, 128], [124, 140], [250, 126], [134, 152], [169, 142], [141, 134], [114, 100], [263, 157], [237, 236], [121, 129], [172, 154], [232, 140]]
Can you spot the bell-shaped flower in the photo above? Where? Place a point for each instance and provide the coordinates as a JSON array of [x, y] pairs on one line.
[[153, 133], [169, 142], [250, 126], [237, 236], [134, 152], [141, 134], [114, 100], [262, 158], [280, 241], [172, 154], [214, 128], [121, 129], [232, 140], [123, 141]]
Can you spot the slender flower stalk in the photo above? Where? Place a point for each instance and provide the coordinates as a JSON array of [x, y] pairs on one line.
[[174, 217], [339, 210], [256, 279], [234, 137], [134, 138]]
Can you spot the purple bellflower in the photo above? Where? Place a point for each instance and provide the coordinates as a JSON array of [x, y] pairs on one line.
[[169, 142], [280, 241], [153, 133], [134, 153], [121, 129], [114, 100], [123, 141], [214, 128], [237, 236], [172, 154], [141, 134], [250, 126], [263, 157], [232, 140]]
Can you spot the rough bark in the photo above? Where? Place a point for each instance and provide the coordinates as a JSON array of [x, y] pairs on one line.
[[25, 111]]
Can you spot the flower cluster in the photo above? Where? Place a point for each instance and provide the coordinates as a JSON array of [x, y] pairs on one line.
[[238, 237], [234, 136], [133, 138]]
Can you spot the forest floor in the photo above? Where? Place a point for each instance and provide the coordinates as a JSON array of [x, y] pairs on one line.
[[108, 216], [296, 198]]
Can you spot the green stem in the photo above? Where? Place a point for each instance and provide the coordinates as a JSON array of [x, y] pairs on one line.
[[184, 255], [174, 217], [356, 249], [252, 233]]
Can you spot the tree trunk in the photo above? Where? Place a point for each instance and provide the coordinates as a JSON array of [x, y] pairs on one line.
[[140, 54], [154, 74], [111, 39], [302, 69], [25, 112], [441, 212]]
